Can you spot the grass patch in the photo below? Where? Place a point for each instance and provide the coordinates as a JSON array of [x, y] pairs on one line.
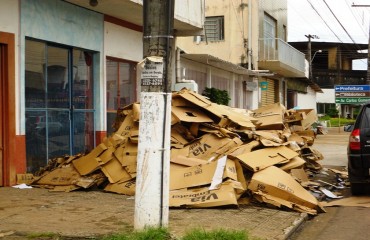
[[219, 234], [337, 122], [195, 234], [147, 234]]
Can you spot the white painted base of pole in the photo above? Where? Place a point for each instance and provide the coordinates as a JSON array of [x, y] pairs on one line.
[[153, 161]]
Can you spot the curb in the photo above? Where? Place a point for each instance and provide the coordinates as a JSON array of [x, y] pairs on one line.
[[295, 225]]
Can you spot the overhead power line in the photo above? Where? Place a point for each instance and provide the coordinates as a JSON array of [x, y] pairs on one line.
[[339, 22], [324, 21]]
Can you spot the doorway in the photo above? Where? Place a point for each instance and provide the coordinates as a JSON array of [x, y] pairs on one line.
[[59, 102]]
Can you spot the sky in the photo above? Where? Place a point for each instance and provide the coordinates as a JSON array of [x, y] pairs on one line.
[[330, 21]]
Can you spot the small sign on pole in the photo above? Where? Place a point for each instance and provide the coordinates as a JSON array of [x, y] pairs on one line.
[[152, 74]]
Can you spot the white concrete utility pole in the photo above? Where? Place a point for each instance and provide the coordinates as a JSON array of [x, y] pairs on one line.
[[153, 160]]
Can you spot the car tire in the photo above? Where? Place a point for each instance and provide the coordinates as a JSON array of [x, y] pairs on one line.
[[357, 188]]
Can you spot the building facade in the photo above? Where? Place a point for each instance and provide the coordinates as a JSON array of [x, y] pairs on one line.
[[65, 69], [332, 65], [250, 34]]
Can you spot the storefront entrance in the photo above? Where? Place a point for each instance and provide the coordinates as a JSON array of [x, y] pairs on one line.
[[59, 102]]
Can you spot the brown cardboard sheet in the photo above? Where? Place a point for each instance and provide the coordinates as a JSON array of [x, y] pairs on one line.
[[295, 162], [189, 114], [270, 117], [263, 158], [114, 171], [280, 185], [62, 176], [227, 194], [87, 164], [127, 187], [206, 148], [202, 174]]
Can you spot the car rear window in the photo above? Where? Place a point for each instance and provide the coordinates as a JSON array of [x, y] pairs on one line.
[[365, 119]]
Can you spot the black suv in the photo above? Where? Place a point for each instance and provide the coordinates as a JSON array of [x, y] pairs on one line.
[[359, 152]]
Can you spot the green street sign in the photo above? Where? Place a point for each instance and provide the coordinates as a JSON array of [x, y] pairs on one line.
[[352, 100]]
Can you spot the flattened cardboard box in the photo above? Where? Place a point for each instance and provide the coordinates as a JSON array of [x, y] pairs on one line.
[[279, 184], [64, 176], [270, 117], [200, 175], [87, 164], [189, 114], [26, 178], [206, 148], [127, 187], [308, 120], [186, 161], [295, 162], [215, 109], [227, 194], [263, 158], [114, 171]]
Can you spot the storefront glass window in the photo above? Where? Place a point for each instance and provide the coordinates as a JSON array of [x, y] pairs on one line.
[[59, 102], [121, 88]]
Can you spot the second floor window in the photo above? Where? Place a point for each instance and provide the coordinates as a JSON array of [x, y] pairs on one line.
[[213, 29], [269, 31]]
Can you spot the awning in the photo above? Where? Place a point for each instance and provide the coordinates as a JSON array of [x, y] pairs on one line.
[[224, 65]]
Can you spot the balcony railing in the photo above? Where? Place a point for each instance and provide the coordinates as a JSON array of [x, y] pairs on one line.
[[275, 49]]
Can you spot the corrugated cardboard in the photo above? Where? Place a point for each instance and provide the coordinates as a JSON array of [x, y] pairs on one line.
[[201, 174], [93, 179], [309, 117], [215, 109], [127, 187], [227, 194], [270, 117], [115, 172], [274, 182], [86, 164], [206, 148], [136, 112], [189, 114], [26, 178], [188, 162], [64, 176], [243, 149], [263, 158], [295, 162], [298, 139]]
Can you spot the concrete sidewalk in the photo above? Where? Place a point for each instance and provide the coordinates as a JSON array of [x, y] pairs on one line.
[[85, 215]]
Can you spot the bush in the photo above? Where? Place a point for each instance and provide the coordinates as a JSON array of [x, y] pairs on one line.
[[217, 96], [333, 112]]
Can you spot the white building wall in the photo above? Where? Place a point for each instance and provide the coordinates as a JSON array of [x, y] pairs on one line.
[[9, 23], [328, 96], [190, 11], [308, 100], [121, 42]]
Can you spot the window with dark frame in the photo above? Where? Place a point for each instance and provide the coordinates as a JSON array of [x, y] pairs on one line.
[[213, 29], [120, 87]]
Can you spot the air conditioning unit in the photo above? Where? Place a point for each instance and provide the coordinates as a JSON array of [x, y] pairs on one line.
[[251, 86]]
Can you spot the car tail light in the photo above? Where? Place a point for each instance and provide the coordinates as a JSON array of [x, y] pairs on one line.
[[354, 140]]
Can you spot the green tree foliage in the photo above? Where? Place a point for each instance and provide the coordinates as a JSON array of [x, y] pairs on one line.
[[333, 112], [217, 96]]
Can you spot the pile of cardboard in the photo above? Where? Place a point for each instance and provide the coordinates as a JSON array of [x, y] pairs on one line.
[[219, 156]]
